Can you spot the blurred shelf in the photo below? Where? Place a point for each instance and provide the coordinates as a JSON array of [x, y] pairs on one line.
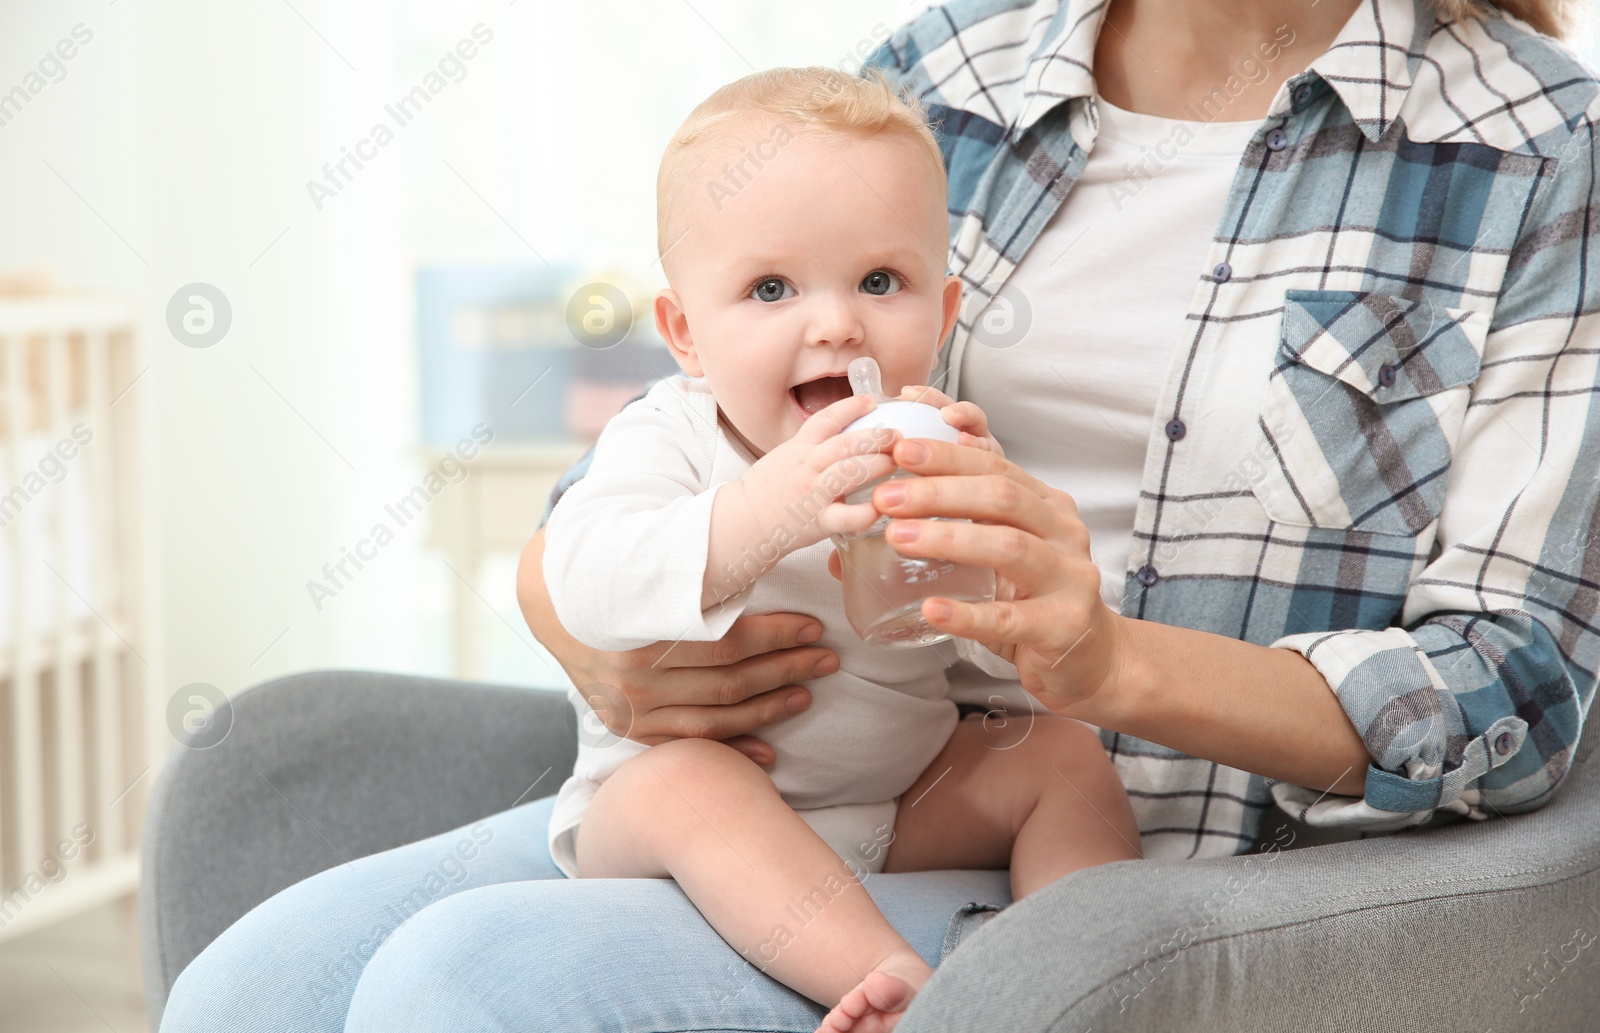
[[495, 510]]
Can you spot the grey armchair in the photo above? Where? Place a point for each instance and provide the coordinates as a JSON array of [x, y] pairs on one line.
[[1468, 927]]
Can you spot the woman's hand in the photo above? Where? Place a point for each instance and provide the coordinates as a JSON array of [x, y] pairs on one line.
[[686, 690], [1047, 617]]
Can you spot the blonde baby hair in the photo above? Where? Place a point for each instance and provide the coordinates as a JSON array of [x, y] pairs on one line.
[[757, 115]]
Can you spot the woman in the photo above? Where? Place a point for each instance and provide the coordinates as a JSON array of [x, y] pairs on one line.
[[1293, 300]]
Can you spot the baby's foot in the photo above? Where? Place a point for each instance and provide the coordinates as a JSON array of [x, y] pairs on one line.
[[875, 1005]]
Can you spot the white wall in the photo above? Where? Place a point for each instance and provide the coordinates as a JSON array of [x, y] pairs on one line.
[[190, 129]]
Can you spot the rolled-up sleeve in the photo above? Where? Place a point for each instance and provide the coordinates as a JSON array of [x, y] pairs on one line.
[[1474, 703]]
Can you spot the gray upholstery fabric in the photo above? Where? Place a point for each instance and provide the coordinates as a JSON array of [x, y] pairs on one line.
[[1452, 928], [1472, 927], [319, 768]]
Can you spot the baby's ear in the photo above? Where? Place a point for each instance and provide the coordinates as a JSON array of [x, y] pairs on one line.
[[952, 308], [673, 326]]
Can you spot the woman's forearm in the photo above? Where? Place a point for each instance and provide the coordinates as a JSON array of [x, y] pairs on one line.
[[533, 597], [1251, 707], [1258, 709]]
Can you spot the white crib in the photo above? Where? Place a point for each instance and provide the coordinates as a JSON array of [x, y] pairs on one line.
[[81, 733]]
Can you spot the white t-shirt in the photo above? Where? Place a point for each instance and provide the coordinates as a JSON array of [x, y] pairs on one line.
[[1108, 284]]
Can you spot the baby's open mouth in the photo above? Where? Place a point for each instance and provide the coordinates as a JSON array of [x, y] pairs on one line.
[[815, 395]]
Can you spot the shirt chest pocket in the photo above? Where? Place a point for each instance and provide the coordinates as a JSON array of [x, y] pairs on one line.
[[1363, 408]]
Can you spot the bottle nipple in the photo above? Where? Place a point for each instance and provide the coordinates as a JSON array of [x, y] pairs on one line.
[[911, 419], [865, 378]]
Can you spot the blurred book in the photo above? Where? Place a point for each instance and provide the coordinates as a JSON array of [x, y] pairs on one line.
[[511, 346]]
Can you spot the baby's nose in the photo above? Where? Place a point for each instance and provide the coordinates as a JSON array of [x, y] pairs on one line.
[[836, 322]]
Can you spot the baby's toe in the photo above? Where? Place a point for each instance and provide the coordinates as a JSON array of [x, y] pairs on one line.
[[887, 993], [843, 1017]]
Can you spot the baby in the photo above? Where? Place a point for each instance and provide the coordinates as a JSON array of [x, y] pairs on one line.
[[801, 223]]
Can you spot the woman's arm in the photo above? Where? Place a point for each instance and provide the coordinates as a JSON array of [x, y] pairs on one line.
[[712, 690], [1247, 706], [1252, 707]]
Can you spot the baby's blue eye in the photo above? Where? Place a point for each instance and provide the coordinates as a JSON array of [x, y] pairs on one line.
[[880, 281], [772, 289]]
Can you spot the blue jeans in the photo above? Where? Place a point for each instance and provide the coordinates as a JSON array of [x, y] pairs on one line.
[[476, 929]]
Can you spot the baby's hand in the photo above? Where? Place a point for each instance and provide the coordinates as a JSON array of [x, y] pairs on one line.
[[964, 416], [792, 492]]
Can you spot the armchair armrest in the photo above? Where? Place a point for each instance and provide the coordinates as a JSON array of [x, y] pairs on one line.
[[1472, 926], [325, 767]]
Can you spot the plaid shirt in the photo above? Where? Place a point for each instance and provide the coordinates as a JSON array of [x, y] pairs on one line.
[[1378, 441]]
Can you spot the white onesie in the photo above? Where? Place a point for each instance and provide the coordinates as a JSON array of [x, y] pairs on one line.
[[624, 560]]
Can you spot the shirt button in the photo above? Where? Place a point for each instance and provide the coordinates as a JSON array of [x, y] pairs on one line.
[[1386, 374], [1277, 140], [1222, 272], [1302, 93], [1502, 743], [1147, 575], [1176, 429]]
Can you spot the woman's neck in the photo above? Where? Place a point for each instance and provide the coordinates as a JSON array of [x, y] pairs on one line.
[[1209, 60]]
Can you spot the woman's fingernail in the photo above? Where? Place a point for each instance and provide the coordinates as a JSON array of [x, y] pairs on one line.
[[913, 452], [827, 665], [809, 634], [937, 610], [796, 702], [899, 531], [892, 494]]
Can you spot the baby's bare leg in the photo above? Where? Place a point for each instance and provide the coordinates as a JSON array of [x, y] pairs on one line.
[[1040, 797], [707, 816]]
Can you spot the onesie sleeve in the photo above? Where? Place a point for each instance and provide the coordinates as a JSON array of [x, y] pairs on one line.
[[626, 545]]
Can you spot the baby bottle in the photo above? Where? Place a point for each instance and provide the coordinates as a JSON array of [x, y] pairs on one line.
[[883, 590]]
